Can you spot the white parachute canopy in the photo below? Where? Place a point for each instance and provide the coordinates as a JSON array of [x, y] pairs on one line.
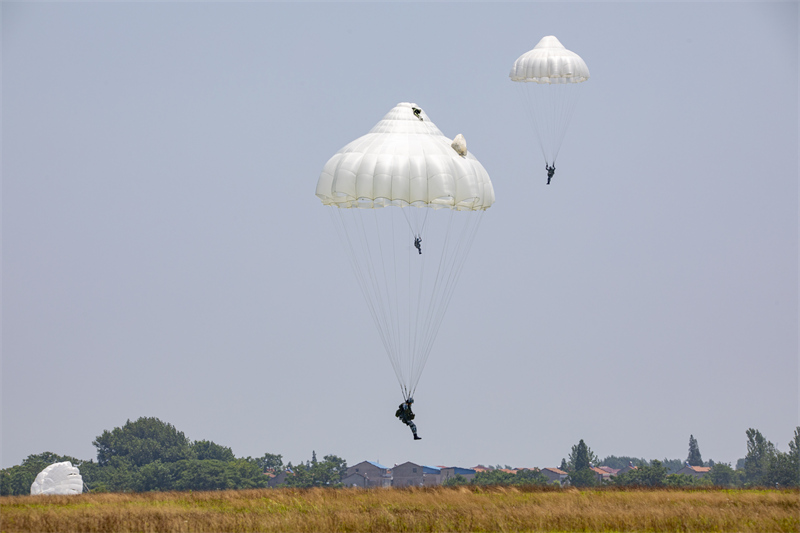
[[407, 202], [548, 78], [58, 478]]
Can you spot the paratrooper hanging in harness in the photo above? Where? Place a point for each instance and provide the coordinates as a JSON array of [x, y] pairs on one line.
[[406, 415]]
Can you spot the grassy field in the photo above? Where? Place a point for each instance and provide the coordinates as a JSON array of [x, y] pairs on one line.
[[422, 509]]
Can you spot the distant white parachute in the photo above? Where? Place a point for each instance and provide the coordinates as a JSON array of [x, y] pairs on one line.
[[58, 478], [548, 78], [407, 202]]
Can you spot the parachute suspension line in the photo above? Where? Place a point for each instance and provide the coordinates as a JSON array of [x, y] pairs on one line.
[[370, 281], [358, 268], [406, 392], [528, 104], [394, 353], [452, 261], [429, 327], [364, 271], [460, 252], [424, 220], [413, 348], [569, 101], [395, 322], [550, 107]]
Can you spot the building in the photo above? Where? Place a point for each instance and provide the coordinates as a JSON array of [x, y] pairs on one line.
[[601, 474], [554, 474], [610, 471], [695, 471], [279, 478], [432, 475], [376, 474], [355, 480], [411, 474], [449, 472]]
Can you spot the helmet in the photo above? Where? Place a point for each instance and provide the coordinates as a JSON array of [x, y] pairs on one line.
[[410, 401]]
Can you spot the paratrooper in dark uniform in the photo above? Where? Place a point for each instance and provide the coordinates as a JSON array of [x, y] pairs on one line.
[[406, 416]]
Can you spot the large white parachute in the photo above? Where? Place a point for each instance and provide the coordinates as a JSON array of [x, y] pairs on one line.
[[407, 205], [58, 478], [548, 78]]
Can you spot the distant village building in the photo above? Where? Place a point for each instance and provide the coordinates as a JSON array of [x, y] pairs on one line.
[[413, 475], [450, 472], [695, 471], [355, 480], [601, 474], [279, 478], [369, 474], [554, 474], [375, 474], [611, 471]]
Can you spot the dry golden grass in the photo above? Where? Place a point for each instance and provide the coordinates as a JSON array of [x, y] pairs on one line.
[[423, 509]]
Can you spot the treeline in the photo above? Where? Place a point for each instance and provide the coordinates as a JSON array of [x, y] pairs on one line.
[[763, 466], [151, 455]]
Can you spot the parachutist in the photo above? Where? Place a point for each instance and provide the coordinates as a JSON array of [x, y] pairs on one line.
[[418, 244], [550, 172], [417, 112], [406, 416]]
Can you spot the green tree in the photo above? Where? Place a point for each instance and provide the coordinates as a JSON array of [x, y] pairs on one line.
[[581, 457], [205, 449], [793, 460], [201, 475], [780, 473], [672, 465], [684, 480], [722, 475], [456, 480], [760, 452], [143, 441], [694, 458], [270, 462], [493, 477], [586, 477], [325, 473], [527, 476], [245, 474], [652, 475], [622, 461], [155, 476]]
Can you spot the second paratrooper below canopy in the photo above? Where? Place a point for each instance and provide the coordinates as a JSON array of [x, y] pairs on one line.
[[548, 77]]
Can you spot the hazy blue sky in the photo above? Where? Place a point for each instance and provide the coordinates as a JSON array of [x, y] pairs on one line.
[[164, 253]]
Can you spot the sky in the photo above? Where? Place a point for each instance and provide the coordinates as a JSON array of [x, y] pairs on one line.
[[164, 254]]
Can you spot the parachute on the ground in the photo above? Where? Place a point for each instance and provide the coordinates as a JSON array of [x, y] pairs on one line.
[[548, 78], [58, 478], [407, 205]]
